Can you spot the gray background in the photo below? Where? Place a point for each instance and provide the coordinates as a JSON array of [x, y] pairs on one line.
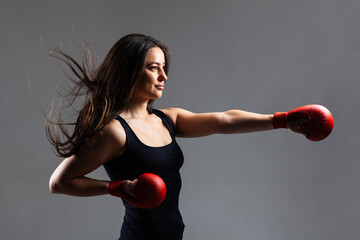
[[256, 55]]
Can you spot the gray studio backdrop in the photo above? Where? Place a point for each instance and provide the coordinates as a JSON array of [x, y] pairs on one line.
[[256, 55]]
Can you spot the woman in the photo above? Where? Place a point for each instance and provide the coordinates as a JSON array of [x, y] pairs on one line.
[[118, 129]]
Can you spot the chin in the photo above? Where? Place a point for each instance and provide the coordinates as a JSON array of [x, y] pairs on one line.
[[157, 96]]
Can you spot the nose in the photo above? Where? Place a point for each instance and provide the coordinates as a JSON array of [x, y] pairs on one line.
[[162, 76]]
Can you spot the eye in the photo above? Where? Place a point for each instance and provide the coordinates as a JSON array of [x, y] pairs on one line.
[[153, 68]]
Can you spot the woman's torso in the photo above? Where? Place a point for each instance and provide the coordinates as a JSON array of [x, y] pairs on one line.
[[164, 161]]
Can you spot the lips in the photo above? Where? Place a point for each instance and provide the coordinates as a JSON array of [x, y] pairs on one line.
[[159, 86]]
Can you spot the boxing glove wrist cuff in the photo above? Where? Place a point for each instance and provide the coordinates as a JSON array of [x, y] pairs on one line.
[[279, 120], [115, 188]]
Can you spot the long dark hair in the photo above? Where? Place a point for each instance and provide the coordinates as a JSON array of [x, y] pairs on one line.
[[107, 89]]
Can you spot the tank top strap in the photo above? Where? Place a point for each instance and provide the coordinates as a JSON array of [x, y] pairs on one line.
[[130, 135], [167, 121], [123, 123]]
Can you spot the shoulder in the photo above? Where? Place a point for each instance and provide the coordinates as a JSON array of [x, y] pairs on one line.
[[114, 131], [110, 139], [175, 113]]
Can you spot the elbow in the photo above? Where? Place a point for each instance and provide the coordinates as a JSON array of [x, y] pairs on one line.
[[225, 123], [55, 185]]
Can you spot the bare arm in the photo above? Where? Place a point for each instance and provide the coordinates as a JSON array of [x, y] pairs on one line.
[[190, 124], [69, 177]]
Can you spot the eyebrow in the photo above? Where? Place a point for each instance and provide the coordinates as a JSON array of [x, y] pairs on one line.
[[157, 63]]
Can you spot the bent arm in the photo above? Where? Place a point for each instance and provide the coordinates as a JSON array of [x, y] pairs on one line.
[[70, 176], [67, 180], [190, 124]]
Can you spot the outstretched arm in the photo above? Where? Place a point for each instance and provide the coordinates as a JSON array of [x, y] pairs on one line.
[[190, 124], [314, 121]]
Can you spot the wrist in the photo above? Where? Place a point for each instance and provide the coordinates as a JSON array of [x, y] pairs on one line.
[[115, 188], [279, 120]]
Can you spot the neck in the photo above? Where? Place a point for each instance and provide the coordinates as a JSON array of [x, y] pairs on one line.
[[135, 109]]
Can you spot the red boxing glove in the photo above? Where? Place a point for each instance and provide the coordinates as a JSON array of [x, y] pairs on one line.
[[151, 190], [319, 122]]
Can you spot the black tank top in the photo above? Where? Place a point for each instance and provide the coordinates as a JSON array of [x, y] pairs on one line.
[[163, 161]]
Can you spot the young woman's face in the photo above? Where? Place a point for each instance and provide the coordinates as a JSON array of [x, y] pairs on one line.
[[153, 78]]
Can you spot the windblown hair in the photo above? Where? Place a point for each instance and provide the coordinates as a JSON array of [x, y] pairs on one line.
[[107, 89]]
